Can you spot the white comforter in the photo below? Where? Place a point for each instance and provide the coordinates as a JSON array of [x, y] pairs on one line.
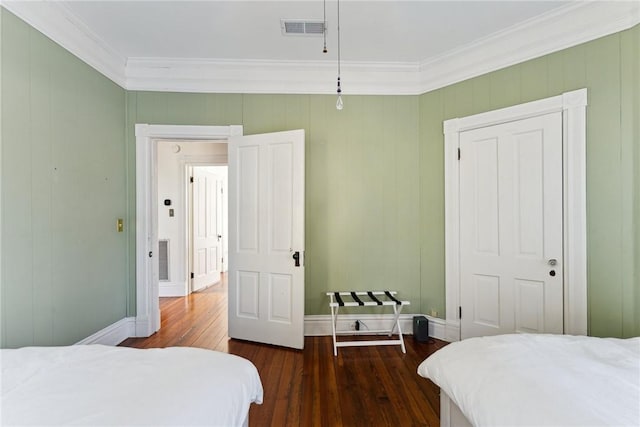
[[541, 380], [101, 385]]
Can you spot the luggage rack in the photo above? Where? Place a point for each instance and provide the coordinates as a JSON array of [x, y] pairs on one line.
[[369, 298]]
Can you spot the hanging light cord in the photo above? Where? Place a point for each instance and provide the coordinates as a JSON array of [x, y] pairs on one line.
[[339, 102], [324, 25], [338, 39]]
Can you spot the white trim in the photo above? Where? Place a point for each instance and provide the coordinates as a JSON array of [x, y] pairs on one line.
[[573, 106], [451, 233], [574, 118], [320, 325], [558, 29], [113, 334], [147, 290], [561, 28], [172, 289], [188, 133], [55, 20], [277, 77], [3, 302]]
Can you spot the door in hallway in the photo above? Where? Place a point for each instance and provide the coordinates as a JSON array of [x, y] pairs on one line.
[[206, 228]]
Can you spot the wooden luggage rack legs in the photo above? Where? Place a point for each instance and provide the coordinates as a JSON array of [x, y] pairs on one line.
[[372, 298]]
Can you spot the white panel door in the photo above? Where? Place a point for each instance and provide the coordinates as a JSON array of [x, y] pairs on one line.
[[511, 228], [206, 231], [221, 234], [266, 238]]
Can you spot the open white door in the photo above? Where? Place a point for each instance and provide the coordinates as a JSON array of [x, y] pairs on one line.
[[266, 238], [206, 228]]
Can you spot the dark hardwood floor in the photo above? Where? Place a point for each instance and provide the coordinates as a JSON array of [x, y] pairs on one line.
[[362, 386]]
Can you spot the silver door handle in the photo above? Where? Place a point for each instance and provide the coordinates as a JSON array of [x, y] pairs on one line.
[[552, 261]]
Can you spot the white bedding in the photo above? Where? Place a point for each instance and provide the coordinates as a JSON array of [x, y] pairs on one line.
[[102, 385], [541, 380]]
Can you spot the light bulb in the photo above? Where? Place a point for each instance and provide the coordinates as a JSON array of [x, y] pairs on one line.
[[339, 103]]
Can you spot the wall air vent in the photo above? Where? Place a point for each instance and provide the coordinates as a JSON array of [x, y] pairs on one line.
[[301, 27], [163, 260]]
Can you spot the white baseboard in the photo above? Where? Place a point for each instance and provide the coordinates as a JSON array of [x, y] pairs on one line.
[[172, 289], [113, 334], [453, 331], [319, 325], [314, 325]]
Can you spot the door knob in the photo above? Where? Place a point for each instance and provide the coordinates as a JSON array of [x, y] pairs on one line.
[[296, 257], [552, 261]]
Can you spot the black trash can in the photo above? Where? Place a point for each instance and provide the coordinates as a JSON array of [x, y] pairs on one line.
[[420, 328]]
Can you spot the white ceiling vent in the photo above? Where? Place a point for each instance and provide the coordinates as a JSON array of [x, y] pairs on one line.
[[301, 27]]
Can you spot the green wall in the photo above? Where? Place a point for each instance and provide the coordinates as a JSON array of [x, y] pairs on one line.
[[375, 173], [362, 179], [63, 265], [375, 189]]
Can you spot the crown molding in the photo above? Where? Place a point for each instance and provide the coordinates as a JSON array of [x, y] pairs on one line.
[[56, 21], [562, 28], [283, 77], [559, 29]]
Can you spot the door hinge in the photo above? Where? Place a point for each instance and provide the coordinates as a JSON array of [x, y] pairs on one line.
[[192, 275], [458, 154], [459, 312], [191, 178]]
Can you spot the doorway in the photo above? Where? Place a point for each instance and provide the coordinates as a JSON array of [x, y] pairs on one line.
[[147, 320], [511, 228], [266, 175], [572, 107], [181, 270]]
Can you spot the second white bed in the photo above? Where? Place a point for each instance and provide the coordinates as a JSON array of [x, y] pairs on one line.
[[540, 380]]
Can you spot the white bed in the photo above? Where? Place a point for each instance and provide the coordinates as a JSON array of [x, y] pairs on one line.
[[538, 380], [103, 385]]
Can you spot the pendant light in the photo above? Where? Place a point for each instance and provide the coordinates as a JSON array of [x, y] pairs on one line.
[[339, 103]]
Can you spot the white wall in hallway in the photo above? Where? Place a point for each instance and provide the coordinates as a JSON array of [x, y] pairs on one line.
[[173, 158]]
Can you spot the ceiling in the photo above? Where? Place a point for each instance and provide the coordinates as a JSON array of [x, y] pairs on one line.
[[371, 31], [386, 46]]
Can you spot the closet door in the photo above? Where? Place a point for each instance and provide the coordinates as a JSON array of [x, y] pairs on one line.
[[511, 267]]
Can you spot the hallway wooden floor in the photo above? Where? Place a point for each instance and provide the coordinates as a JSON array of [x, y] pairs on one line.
[[362, 386]]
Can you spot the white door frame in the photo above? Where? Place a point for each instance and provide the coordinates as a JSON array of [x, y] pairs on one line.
[[573, 107], [147, 303]]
